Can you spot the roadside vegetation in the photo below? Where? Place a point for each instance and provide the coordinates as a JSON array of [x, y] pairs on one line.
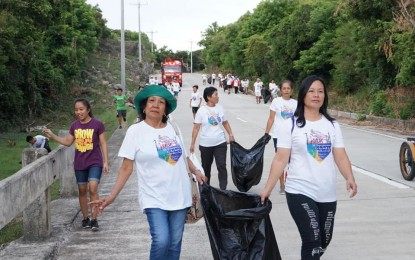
[[363, 49]]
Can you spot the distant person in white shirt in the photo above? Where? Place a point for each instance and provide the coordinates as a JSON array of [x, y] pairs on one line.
[[213, 78], [257, 88], [204, 79], [176, 88], [195, 100], [39, 141], [245, 85], [274, 89]]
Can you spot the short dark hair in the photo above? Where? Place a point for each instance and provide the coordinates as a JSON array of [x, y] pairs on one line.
[[208, 92], [119, 89], [29, 138], [196, 86]]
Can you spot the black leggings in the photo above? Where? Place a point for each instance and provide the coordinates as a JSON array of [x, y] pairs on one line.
[[314, 221]]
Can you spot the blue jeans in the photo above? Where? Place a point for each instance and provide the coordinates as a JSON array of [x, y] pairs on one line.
[[166, 229]]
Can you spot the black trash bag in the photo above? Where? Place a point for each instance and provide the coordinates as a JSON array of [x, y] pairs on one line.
[[238, 225], [247, 165], [266, 95]]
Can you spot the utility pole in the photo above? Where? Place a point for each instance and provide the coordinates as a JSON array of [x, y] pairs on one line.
[[151, 33], [191, 57], [139, 4], [122, 49]]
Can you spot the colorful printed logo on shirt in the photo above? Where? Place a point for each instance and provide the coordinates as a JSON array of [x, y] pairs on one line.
[[286, 112], [83, 139], [318, 145], [168, 149], [214, 119]]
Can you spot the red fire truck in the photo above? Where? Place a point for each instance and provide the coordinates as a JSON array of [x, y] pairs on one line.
[[171, 69]]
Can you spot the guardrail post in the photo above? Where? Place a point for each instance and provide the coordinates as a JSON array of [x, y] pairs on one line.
[[68, 185], [36, 217]]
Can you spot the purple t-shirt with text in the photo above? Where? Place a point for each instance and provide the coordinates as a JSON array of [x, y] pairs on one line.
[[87, 147]]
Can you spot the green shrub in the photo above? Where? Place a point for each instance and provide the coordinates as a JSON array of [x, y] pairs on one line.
[[408, 111], [378, 103]]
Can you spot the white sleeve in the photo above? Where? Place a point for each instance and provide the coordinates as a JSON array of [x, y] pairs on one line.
[[273, 106], [128, 148], [338, 142], [199, 116], [284, 134]]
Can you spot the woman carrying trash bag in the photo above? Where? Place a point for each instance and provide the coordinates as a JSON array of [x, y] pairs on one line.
[[163, 180], [212, 141], [312, 143]]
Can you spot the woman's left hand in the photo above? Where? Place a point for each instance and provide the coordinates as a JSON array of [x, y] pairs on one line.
[[106, 168], [351, 187], [231, 138]]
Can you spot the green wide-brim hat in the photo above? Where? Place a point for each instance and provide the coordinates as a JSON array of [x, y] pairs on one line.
[[159, 91]]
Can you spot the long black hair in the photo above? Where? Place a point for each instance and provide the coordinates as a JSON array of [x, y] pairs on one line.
[[305, 86], [142, 115], [85, 103]]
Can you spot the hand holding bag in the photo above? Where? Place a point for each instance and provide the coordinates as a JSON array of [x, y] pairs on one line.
[[195, 212]]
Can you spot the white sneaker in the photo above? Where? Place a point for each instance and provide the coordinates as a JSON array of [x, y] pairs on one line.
[[282, 191]]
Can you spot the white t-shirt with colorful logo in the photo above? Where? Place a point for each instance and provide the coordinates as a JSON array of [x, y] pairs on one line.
[[311, 170], [195, 99], [284, 109], [211, 119], [163, 181]]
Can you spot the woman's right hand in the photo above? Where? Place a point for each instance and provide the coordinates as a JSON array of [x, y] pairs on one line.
[[48, 132], [100, 204], [192, 148]]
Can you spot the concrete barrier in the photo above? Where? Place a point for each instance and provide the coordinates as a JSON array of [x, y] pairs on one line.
[[28, 190]]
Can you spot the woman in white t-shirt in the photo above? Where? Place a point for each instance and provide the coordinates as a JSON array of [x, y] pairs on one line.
[[195, 100], [312, 143], [212, 140], [164, 188], [257, 88], [281, 109]]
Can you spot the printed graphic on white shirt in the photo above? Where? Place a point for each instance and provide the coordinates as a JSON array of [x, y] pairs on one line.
[[287, 112], [168, 149], [318, 145], [214, 119]]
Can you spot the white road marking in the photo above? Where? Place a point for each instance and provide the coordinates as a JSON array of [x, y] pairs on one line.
[[241, 120], [373, 132], [380, 178]]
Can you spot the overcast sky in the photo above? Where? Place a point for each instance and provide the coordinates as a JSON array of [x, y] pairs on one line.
[[175, 23]]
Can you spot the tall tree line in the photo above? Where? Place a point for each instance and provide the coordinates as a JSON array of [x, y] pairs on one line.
[[353, 44], [43, 47]]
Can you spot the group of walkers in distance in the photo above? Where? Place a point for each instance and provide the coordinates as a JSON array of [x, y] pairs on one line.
[[308, 144]]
